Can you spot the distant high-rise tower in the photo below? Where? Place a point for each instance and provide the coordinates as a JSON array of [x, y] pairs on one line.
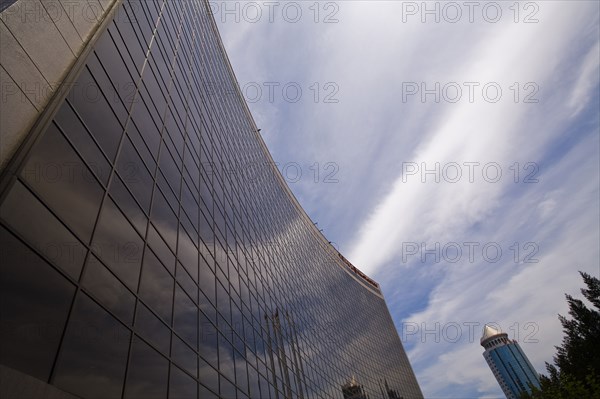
[[353, 390], [508, 362]]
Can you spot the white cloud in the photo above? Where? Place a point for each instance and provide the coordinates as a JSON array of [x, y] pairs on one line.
[[371, 132]]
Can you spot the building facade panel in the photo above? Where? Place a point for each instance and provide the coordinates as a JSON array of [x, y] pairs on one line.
[[152, 249]]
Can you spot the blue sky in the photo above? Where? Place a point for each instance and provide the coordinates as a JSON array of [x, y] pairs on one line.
[[456, 161]]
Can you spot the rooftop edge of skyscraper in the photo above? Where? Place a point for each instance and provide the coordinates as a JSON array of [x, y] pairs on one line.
[[355, 271]]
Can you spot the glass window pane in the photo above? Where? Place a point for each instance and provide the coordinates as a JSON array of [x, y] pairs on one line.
[[206, 231], [135, 175], [167, 191], [94, 353], [164, 219], [156, 287], [118, 93], [118, 245], [188, 254], [30, 218], [187, 283], [34, 304], [161, 249], [122, 94], [75, 131], [185, 317], [204, 393], [59, 176], [101, 283], [181, 385], [121, 195], [146, 126], [207, 280], [208, 340], [147, 374], [141, 146], [151, 328], [94, 110], [227, 389], [184, 356], [169, 168], [189, 205], [124, 22]]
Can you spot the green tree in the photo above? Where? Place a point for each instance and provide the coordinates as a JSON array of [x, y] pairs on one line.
[[575, 373]]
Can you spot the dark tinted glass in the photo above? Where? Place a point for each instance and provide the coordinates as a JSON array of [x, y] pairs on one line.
[[208, 340], [34, 303], [34, 222], [83, 142], [93, 357], [227, 389], [121, 195], [141, 146], [162, 250], [164, 219], [186, 282], [185, 317], [151, 328], [97, 115], [59, 176], [209, 377], [122, 85], [133, 172], [184, 356], [118, 245], [181, 385], [105, 287], [188, 254], [147, 374], [156, 286], [146, 127], [207, 281]]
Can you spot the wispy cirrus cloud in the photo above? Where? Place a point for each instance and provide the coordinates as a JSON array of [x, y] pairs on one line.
[[381, 139]]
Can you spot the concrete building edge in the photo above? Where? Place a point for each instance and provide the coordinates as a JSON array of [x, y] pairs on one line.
[[11, 165]]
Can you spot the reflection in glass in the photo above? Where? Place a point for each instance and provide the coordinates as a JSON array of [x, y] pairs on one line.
[[188, 254], [133, 172], [184, 356], [161, 249], [103, 285], [118, 245], [93, 108], [219, 215], [93, 357], [34, 302], [76, 132], [185, 317], [121, 195], [207, 280], [187, 283], [34, 222], [181, 385], [59, 176], [164, 219], [151, 328], [156, 286], [147, 373]]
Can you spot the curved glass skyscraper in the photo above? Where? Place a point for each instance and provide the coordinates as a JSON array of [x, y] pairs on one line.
[[150, 248], [508, 362]]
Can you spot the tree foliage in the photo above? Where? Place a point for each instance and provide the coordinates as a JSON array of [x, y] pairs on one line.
[[575, 373]]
